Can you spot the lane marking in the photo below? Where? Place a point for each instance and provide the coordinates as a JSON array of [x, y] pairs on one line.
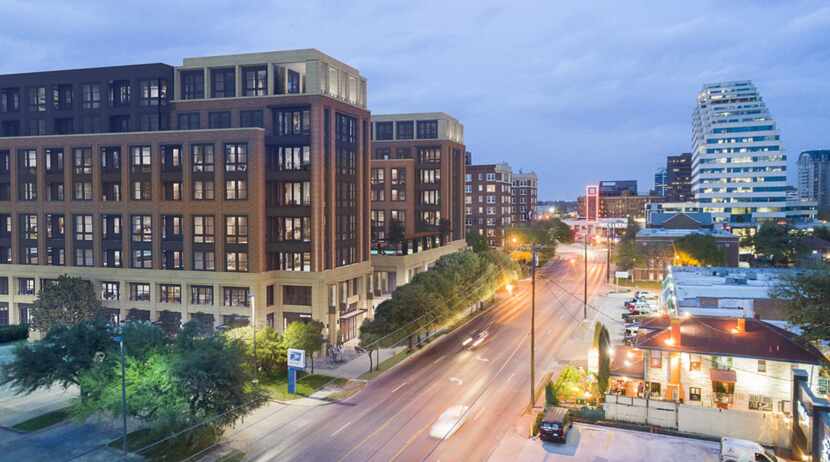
[[439, 359], [456, 380], [341, 428], [511, 376], [398, 388], [478, 414], [482, 359]]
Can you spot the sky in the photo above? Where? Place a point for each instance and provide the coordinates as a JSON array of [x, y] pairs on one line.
[[575, 91]]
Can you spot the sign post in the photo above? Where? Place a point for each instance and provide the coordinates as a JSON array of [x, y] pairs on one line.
[[296, 362]]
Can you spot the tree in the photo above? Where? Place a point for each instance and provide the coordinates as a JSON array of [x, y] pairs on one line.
[[307, 336], [602, 342], [271, 355], [775, 245], [141, 338], [476, 241], [806, 296], [698, 250], [61, 357], [67, 301]]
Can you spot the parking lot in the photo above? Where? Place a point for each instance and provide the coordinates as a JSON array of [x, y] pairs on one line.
[[592, 443]]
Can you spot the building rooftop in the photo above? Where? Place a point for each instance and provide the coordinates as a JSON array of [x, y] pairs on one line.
[[678, 233], [720, 282], [661, 218], [719, 336]]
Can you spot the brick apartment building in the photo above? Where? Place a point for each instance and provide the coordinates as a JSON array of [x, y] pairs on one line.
[[489, 200], [183, 193], [417, 180], [525, 197]]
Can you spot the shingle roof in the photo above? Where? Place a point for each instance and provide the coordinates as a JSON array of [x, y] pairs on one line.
[[715, 336]]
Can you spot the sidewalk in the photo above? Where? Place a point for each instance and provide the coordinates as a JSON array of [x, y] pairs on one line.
[[354, 364]]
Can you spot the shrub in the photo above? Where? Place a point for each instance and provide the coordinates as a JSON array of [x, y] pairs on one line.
[[550, 395], [591, 413], [14, 333], [536, 422]]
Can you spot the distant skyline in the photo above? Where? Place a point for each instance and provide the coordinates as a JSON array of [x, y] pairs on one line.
[[577, 92]]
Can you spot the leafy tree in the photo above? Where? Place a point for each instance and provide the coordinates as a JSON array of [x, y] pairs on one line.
[[68, 301], [270, 348], [306, 336], [775, 245], [61, 357], [807, 298], [476, 241], [822, 232], [698, 250], [141, 338], [602, 342]]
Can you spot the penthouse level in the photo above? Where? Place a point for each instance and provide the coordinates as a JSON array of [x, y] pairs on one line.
[[259, 192]]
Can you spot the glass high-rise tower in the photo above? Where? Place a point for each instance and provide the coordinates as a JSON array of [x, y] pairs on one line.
[[739, 167]]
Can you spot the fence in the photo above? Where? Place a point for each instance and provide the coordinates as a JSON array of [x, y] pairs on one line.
[[767, 428]]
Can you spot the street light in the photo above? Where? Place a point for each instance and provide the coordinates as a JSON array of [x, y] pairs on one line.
[[252, 301], [532, 325], [585, 279], [120, 339]]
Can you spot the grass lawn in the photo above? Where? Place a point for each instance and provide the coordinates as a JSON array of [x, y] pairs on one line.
[[386, 364], [172, 450], [277, 387], [644, 285], [349, 389], [43, 421]]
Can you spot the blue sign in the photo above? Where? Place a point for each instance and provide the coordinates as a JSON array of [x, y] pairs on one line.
[[296, 361]]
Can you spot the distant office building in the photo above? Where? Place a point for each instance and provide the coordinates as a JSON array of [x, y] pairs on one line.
[[588, 205], [657, 245], [525, 193], [595, 206], [739, 172], [618, 188], [660, 183], [679, 178], [417, 183], [488, 201], [814, 179]]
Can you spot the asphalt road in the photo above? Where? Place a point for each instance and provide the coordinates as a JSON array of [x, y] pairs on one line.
[[392, 417]]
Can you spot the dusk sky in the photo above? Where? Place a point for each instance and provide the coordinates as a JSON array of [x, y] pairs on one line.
[[577, 92]]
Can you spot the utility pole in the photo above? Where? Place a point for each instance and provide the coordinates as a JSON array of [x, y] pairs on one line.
[[253, 334], [585, 279], [532, 325], [608, 255]]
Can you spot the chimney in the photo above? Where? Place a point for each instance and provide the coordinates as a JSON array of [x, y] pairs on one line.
[[674, 338], [740, 327]]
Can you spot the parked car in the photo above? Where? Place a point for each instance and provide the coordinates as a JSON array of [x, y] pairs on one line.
[[450, 421], [555, 425], [737, 450]]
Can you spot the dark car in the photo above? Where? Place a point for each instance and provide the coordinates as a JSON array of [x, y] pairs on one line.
[[555, 425]]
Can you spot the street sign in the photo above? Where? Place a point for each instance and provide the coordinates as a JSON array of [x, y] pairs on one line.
[[621, 275], [296, 358]]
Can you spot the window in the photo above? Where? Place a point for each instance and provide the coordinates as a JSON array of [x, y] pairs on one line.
[[142, 229], [397, 176], [269, 295], [26, 286], [83, 227], [384, 131], [655, 359], [296, 295], [119, 123], [235, 296], [236, 229], [405, 129], [112, 258], [429, 155], [84, 257], [251, 118], [430, 176], [193, 84], [140, 159], [37, 99], [54, 160], [37, 127], [427, 129], [189, 121], [377, 175], [398, 194], [760, 403], [236, 190], [81, 161], [142, 258], [62, 97], [202, 156], [694, 393], [201, 295], [142, 191], [204, 260], [722, 363], [236, 157], [296, 193], [111, 227], [9, 100], [64, 126], [223, 83], [293, 122], [119, 93], [203, 190], [139, 292], [171, 227], [219, 119], [110, 290], [203, 229], [291, 261], [28, 191], [90, 96], [170, 293], [151, 123], [236, 261], [255, 81], [378, 195], [694, 362], [293, 229], [293, 158], [153, 92]]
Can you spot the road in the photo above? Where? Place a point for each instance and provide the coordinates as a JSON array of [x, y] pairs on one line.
[[391, 418]]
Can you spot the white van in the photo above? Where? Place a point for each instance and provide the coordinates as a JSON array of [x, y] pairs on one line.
[[736, 450]]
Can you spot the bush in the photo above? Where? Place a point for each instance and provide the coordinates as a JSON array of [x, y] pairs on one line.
[[536, 422], [591, 413], [550, 395], [14, 333]]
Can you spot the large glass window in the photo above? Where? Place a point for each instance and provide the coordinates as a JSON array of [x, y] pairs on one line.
[[202, 157], [236, 190], [142, 229], [9, 99], [236, 229], [223, 83], [37, 99], [153, 92], [204, 229], [189, 121], [293, 229], [90, 96], [83, 227], [292, 158], [255, 81], [293, 122], [251, 118], [427, 129], [119, 93], [193, 84], [140, 159], [236, 157], [384, 131], [62, 97], [219, 119], [295, 193], [405, 129]]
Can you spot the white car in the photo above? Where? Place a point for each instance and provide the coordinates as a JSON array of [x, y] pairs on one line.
[[450, 421]]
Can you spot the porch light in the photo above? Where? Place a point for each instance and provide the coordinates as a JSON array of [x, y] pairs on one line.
[[610, 351], [670, 341]]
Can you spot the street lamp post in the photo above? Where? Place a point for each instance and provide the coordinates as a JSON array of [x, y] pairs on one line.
[[253, 332], [585, 279], [120, 339], [532, 325], [608, 254]]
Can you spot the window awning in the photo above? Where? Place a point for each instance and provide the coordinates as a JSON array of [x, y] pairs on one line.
[[718, 375]]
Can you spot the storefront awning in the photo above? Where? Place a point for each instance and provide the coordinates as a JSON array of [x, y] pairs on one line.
[[718, 375], [352, 314]]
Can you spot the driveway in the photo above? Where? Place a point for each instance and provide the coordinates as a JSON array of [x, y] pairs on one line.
[[592, 443]]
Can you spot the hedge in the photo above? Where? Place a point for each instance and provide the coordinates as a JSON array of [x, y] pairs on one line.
[[14, 333]]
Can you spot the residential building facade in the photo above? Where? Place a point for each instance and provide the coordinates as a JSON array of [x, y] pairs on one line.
[[488, 201], [417, 194], [254, 189], [525, 197], [814, 179]]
